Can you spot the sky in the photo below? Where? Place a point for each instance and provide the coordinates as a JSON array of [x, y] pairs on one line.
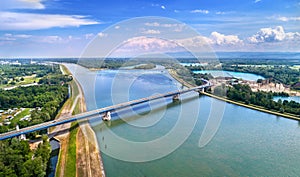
[[66, 28]]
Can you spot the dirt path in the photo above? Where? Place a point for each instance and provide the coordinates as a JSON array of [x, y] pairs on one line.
[[63, 138], [66, 111], [88, 159]]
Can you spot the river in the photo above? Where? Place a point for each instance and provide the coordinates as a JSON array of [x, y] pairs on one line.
[[240, 75], [247, 143], [290, 98]]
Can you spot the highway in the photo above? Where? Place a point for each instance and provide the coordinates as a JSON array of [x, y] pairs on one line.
[[97, 112]]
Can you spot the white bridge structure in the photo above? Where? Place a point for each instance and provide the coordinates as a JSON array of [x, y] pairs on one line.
[[104, 112]]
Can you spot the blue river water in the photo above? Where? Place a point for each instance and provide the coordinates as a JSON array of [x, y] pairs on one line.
[[247, 142], [291, 98], [244, 76]]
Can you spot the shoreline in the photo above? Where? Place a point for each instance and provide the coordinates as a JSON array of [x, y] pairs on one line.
[[88, 154], [92, 139], [253, 107]]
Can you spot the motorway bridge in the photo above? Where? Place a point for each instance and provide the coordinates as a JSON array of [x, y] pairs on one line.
[[102, 111]]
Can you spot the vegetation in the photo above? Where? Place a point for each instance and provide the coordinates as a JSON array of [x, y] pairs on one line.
[[244, 94], [16, 158], [70, 169], [55, 79], [276, 73], [42, 103], [46, 99], [280, 74], [145, 66], [11, 75]]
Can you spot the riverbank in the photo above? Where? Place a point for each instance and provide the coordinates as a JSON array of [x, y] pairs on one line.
[[87, 161], [254, 107]]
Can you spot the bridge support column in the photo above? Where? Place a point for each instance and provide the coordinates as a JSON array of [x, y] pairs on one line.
[[176, 97], [22, 136], [201, 91], [106, 116]]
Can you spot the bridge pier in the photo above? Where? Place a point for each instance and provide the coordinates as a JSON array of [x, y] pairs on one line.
[[176, 97], [22, 136], [106, 116]]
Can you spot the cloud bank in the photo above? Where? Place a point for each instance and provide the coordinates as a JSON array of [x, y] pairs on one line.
[[31, 21], [21, 4], [269, 35]]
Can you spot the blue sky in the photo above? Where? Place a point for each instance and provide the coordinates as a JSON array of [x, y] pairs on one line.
[[63, 28]]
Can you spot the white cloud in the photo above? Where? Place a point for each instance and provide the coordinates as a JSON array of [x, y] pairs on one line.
[[197, 41], [292, 36], [102, 34], [117, 27], [89, 36], [31, 21], [215, 39], [145, 44], [220, 13], [152, 24], [221, 39], [286, 19], [51, 39], [21, 4], [24, 36], [163, 7], [151, 31], [176, 27], [13, 37], [36, 39], [176, 11], [256, 1], [268, 35], [200, 11]]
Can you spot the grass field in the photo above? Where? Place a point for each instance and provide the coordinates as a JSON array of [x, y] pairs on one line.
[[70, 169], [22, 114], [27, 80]]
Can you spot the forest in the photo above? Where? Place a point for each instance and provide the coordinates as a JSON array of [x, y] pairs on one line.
[[10, 74], [18, 160], [280, 74], [47, 97], [244, 94]]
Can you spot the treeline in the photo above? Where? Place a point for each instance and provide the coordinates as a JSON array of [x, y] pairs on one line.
[[47, 99], [281, 74], [276, 73], [110, 63], [13, 71], [199, 76], [17, 160], [244, 94], [55, 79]]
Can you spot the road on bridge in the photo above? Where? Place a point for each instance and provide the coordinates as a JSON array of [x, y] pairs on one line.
[[97, 112]]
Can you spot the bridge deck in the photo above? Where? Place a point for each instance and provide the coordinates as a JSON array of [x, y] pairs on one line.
[[94, 113]]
